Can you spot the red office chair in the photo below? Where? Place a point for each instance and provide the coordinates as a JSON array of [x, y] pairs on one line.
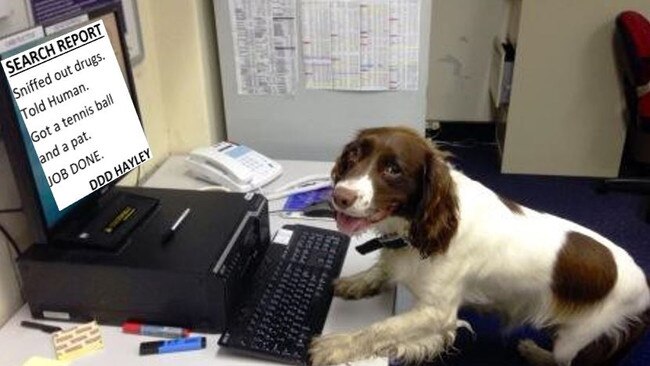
[[632, 47]]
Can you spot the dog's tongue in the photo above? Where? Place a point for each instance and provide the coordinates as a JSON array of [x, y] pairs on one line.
[[350, 225]]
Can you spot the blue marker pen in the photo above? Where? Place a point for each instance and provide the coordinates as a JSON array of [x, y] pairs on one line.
[[175, 345]]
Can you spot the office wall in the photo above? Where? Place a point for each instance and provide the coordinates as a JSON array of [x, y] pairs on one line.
[[462, 35], [186, 52], [178, 85], [566, 112], [10, 298]]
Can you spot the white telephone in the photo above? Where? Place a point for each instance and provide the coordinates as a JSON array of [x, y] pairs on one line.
[[234, 166]]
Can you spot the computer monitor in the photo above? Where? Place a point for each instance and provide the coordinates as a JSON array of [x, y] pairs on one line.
[[38, 201]]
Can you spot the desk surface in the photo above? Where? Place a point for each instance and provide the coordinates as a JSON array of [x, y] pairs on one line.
[[18, 344]]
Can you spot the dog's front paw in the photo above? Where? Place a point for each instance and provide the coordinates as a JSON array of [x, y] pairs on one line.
[[534, 354], [332, 350], [353, 288]]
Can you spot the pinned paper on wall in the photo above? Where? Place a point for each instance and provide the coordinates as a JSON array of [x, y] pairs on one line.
[[375, 44], [317, 43], [361, 44], [346, 48], [265, 44]]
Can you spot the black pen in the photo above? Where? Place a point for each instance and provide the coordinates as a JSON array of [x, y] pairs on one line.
[[176, 225], [44, 327]]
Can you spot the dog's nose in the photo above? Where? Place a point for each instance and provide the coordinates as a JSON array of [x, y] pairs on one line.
[[344, 197]]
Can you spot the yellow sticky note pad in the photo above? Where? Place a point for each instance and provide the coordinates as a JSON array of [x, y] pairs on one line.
[[42, 361], [73, 343]]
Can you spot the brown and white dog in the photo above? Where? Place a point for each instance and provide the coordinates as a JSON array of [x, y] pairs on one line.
[[468, 246]]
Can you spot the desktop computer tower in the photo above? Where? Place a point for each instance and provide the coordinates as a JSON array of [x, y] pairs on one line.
[[193, 280]]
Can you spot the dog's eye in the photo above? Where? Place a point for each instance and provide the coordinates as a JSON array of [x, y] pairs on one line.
[[392, 170]]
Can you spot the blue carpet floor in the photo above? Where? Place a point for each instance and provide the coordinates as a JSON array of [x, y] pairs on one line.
[[618, 216]]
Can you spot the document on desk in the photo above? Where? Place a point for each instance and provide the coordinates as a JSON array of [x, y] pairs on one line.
[[265, 42], [42, 361], [361, 45]]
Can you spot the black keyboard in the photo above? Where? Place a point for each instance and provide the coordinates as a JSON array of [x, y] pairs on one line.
[[290, 296]]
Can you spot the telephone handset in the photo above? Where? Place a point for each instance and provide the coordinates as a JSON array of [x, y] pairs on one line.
[[233, 166]]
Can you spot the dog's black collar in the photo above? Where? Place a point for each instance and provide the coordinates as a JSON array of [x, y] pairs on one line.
[[388, 242]]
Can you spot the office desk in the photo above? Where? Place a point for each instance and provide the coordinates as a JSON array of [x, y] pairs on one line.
[[17, 344]]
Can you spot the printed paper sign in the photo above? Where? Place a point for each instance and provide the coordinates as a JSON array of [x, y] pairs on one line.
[[76, 106]]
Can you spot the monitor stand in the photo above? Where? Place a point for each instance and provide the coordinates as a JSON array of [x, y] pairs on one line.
[[106, 224]]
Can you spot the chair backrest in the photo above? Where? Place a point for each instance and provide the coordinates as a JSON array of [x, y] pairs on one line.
[[633, 31]]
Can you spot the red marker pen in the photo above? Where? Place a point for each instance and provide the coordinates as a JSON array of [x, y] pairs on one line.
[[154, 330]]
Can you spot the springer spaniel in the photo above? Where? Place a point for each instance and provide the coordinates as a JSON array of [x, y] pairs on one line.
[[468, 246]]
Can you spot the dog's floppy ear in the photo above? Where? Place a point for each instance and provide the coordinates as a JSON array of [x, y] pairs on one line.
[[436, 216]]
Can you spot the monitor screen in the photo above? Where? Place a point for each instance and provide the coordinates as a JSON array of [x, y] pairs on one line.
[[49, 211]]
